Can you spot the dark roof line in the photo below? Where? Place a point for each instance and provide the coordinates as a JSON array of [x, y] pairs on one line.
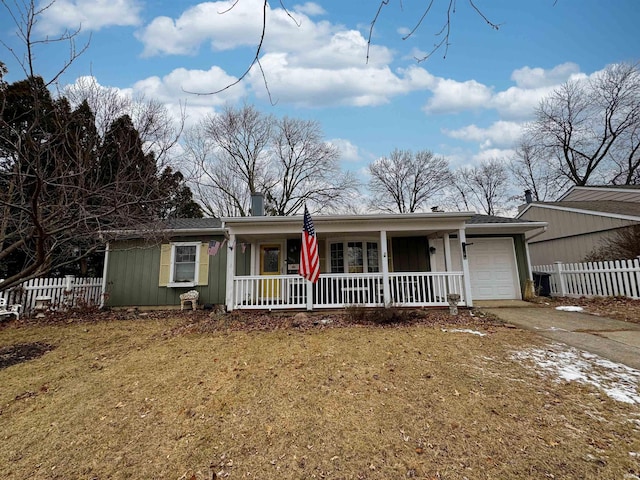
[[481, 219]]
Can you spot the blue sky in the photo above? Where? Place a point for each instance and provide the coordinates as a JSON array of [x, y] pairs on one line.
[[468, 106]]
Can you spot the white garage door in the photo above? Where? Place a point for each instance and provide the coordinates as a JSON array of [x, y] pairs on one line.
[[492, 264]]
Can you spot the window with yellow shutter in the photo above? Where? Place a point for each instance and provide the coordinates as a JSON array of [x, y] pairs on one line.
[[183, 264]]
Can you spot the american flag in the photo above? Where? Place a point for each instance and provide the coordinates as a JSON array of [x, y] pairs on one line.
[[309, 262]]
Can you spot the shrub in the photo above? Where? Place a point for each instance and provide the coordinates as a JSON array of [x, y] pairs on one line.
[[377, 315]]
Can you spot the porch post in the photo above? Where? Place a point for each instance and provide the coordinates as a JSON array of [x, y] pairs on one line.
[[231, 271], [309, 295], [447, 252], [465, 268], [386, 291]]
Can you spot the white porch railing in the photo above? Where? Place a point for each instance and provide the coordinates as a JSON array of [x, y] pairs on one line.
[[591, 279], [420, 289], [337, 290], [63, 292], [425, 289], [269, 291]]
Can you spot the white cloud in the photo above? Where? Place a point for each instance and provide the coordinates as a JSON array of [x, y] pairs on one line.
[[228, 24], [342, 49], [348, 151], [519, 103], [502, 154], [181, 83], [415, 54], [515, 103], [224, 24], [531, 78], [451, 96], [499, 134], [354, 86], [166, 90], [88, 14], [310, 8]]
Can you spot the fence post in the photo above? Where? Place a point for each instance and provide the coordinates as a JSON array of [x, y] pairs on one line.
[[561, 281], [68, 281], [68, 293]]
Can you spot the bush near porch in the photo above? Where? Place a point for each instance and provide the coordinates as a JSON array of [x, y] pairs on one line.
[[178, 395]]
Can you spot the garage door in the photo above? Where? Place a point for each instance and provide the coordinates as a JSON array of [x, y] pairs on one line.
[[492, 265]]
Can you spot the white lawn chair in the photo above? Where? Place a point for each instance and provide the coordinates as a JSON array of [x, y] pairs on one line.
[[9, 310]]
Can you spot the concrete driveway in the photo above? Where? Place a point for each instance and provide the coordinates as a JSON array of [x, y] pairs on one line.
[[612, 339]]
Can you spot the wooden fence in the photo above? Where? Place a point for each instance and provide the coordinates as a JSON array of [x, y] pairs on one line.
[[592, 279], [62, 293]]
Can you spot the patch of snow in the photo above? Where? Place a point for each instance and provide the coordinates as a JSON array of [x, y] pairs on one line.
[[465, 330], [570, 308], [570, 364]]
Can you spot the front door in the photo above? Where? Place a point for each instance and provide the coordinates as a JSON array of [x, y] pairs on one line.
[[270, 265]]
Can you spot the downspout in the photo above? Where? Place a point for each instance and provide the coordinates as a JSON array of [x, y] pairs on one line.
[[386, 291], [526, 249], [231, 271], [104, 275], [462, 239]]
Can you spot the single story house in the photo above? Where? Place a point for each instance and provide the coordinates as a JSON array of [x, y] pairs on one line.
[[580, 221], [372, 260]]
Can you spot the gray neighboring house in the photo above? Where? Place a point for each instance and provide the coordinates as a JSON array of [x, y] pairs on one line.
[[580, 221]]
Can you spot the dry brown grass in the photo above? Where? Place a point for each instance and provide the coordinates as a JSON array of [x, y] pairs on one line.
[[123, 399]]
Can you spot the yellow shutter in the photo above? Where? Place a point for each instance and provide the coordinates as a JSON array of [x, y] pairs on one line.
[[203, 268], [165, 264]]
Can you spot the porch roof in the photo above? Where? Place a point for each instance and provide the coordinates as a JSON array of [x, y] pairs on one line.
[[423, 223]]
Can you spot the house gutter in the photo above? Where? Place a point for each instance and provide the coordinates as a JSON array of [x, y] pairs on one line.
[[544, 229], [319, 219], [176, 231]]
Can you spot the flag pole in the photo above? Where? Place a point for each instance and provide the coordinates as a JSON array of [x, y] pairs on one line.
[[309, 260]]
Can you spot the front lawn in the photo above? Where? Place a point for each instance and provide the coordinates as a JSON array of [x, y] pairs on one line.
[[169, 398]]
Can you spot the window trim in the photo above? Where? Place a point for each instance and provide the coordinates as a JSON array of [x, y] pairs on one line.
[[345, 245], [172, 283]]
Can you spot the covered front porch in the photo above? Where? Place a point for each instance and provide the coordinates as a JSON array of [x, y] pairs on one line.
[[368, 260]]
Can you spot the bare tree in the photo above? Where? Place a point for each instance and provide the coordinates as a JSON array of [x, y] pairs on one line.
[[157, 127], [483, 187], [242, 151], [229, 156], [532, 171], [591, 128], [25, 15], [443, 33], [405, 181], [306, 169], [215, 187], [62, 183], [623, 245]]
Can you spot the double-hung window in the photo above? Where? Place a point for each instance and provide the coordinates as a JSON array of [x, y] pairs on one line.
[[185, 262], [185, 258]]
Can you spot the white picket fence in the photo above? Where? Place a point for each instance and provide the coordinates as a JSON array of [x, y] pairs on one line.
[[63, 293], [593, 279]]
